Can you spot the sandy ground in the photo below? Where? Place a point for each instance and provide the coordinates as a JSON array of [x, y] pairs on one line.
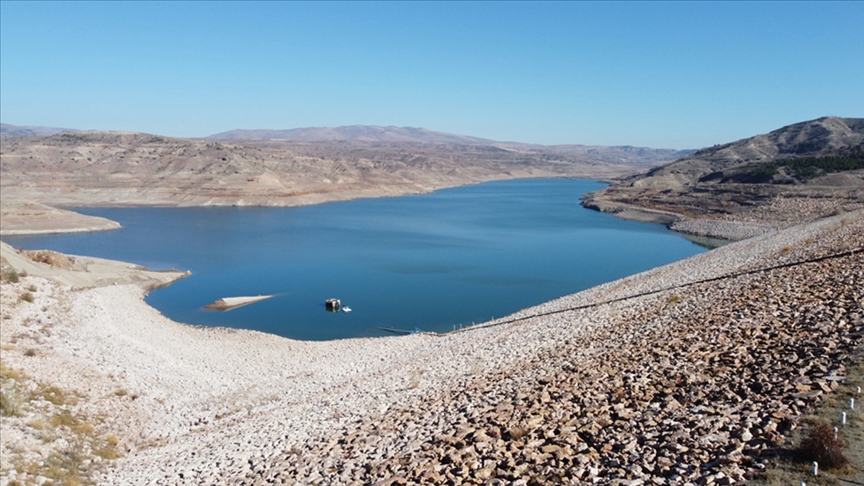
[[106, 386], [22, 217]]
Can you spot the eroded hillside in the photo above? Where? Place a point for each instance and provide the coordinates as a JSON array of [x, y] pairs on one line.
[[112, 168]]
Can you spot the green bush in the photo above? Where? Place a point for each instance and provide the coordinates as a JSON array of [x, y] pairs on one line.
[[810, 167]]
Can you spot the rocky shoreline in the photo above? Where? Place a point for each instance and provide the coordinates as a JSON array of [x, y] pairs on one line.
[[694, 372]]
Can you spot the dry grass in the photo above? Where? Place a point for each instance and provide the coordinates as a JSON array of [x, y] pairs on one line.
[[53, 395], [11, 374], [108, 450], [54, 414], [10, 403], [52, 258], [65, 467], [9, 275]]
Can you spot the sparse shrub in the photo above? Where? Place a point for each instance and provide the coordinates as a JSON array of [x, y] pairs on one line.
[[32, 288], [9, 404], [64, 467], [108, 450], [65, 418], [53, 394], [821, 446], [11, 374], [37, 424], [27, 297], [85, 428], [415, 377], [30, 352], [51, 258], [121, 392], [787, 248], [9, 275], [673, 299]]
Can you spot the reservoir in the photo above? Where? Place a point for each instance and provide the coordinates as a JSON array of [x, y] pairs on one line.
[[431, 262]]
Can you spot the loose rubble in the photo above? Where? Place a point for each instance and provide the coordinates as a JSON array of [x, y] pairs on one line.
[[781, 212]]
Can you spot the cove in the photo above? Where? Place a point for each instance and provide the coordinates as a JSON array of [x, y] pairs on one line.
[[432, 262]]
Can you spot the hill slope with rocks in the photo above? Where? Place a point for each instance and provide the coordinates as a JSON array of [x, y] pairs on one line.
[[796, 173], [697, 372]]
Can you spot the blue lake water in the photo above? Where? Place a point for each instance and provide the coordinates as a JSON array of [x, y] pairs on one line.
[[431, 262]]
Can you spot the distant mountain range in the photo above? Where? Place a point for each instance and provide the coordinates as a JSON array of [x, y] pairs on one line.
[[357, 140], [350, 139], [120, 168], [312, 165], [7, 130], [354, 133]]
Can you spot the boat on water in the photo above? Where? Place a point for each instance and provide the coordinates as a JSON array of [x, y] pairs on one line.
[[346, 309]]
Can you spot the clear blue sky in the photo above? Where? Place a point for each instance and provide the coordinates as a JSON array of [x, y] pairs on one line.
[[674, 75]]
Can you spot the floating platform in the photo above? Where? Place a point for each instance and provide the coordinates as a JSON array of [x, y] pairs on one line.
[[332, 305], [228, 303]]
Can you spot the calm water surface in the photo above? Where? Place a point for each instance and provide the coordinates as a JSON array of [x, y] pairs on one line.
[[431, 262]]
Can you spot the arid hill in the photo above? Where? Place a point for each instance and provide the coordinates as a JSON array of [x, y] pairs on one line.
[[114, 168], [7, 130], [363, 139], [820, 160], [354, 133]]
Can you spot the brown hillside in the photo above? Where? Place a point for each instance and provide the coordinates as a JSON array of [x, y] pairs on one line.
[[113, 168], [820, 160]]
